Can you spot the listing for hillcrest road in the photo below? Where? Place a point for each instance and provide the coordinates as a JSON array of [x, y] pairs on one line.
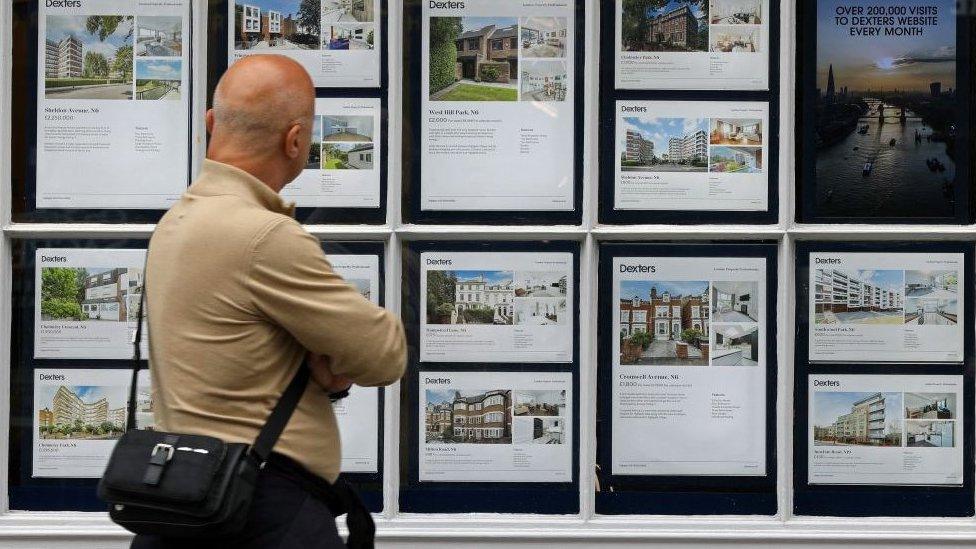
[[496, 307], [691, 351], [886, 307]]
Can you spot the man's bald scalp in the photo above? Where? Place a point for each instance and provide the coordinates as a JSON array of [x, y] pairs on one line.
[[261, 96]]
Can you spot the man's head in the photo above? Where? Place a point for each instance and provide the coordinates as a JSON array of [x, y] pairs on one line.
[[261, 120]]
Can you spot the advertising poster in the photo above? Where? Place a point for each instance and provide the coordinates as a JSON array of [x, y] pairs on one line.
[[86, 302], [886, 430], [337, 41], [496, 427], [497, 105], [886, 307], [343, 169], [691, 155], [357, 414], [113, 88], [689, 371], [886, 137], [692, 44], [496, 307], [78, 415]]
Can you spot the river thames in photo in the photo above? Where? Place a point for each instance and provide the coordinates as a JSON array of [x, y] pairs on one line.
[[901, 181]]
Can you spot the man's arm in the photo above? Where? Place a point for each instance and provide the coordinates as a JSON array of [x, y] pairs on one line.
[[293, 284]]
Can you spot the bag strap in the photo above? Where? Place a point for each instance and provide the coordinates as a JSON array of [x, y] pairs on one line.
[[277, 420]]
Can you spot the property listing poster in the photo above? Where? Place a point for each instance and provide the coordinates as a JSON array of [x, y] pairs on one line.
[[692, 44], [886, 307], [113, 88], [886, 140], [358, 414], [78, 416], [689, 370], [343, 169], [691, 155], [496, 427], [497, 107], [337, 41], [878, 429], [496, 307], [86, 302]]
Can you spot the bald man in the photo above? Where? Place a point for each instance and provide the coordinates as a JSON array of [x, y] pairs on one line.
[[238, 294]]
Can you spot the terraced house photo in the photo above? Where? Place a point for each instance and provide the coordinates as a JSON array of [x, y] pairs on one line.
[[859, 296], [664, 25], [88, 57], [90, 294], [458, 416], [664, 323], [277, 25], [473, 59], [857, 419]]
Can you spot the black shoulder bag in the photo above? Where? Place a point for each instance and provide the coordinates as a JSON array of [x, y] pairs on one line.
[[188, 486]]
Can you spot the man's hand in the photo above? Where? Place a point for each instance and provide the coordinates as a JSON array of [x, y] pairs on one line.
[[321, 367]]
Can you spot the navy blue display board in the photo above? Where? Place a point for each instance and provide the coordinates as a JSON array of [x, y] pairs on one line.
[[413, 140], [78, 494], [686, 494], [477, 497], [902, 184], [23, 168], [878, 500], [217, 29], [609, 95]]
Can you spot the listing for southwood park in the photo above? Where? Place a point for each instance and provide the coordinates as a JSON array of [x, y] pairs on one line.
[[496, 307], [691, 155], [689, 369], [343, 168], [497, 105], [496, 427], [86, 302], [112, 104], [886, 307], [337, 41], [358, 414], [692, 44], [886, 429]]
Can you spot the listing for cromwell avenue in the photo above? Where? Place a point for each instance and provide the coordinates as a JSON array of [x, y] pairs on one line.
[[496, 307], [496, 427], [886, 307], [690, 351], [886, 429], [497, 104]]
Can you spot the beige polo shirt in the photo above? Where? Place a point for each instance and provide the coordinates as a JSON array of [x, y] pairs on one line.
[[237, 291]]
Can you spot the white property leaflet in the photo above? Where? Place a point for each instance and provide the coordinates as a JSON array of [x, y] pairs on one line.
[[343, 169], [356, 414], [692, 44], [77, 417], [886, 307], [86, 302], [689, 370], [337, 41], [496, 307], [691, 155], [496, 427], [886, 429], [113, 88], [497, 108]]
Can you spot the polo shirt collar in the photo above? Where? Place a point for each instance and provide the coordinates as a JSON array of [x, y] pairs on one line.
[[219, 179]]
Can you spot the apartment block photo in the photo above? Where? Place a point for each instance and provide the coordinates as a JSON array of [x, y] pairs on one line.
[[664, 323], [90, 294], [859, 296], [657, 144], [454, 416], [474, 59], [857, 419], [664, 25], [80, 412], [89, 57]]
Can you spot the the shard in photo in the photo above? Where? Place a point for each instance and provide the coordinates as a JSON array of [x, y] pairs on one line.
[[886, 113]]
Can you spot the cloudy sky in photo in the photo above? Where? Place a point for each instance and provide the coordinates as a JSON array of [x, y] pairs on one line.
[[60, 27], [158, 69]]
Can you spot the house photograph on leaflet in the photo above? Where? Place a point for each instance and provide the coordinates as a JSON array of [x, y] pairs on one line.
[[474, 59]]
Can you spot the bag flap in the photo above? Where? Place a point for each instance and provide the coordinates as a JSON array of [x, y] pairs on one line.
[[187, 473]]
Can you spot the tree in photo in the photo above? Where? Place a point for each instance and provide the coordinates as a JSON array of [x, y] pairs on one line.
[[440, 296], [95, 65], [122, 64], [310, 16], [61, 293], [444, 32], [105, 25]]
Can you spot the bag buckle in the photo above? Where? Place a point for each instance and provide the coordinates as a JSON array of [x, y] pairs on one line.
[[162, 446]]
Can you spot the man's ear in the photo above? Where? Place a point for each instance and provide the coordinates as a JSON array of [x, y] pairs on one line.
[[293, 141], [210, 121]]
